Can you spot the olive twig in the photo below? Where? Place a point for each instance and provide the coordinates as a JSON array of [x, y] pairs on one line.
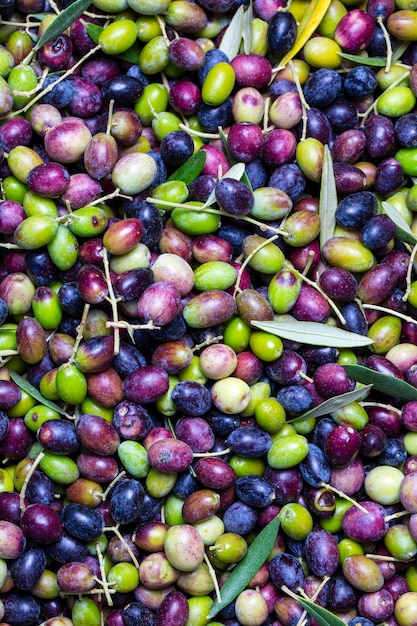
[[304, 106], [396, 515], [27, 479], [375, 307], [80, 330], [199, 133], [325, 296], [384, 557], [345, 496], [213, 577], [409, 271], [104, 582], [387, 42], [119, 535], [207, 454], [112, 300], [382, 406], [54, 6], [113, 482], [207, 342], [267, 104], [247, 260], [395, 83]]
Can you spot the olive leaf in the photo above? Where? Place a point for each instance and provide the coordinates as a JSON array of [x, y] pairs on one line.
[[308, 24], [333, 404], [35, 393], [244, 571], [388, 385], [93, 31], [190, 169], [322, 616], [328, 198], [247, 29], [63, 21], [373, 61], [313, 333], [402, 232], [232, 37], [236, 172]]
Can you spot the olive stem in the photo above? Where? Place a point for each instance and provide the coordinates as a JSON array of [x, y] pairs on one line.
[[54, 6], [247, 260], [162, 514], [27, 479], [383, 406], [113, 482], [207, 342], [104, 582], [373, 105], [382, 557], [110, 117], [388, 518], [163, 29], [118, 534], [214, 578], [409, 271], [407, 318], [266, 114], [305, 107], [325, 296], [309, 263], [112, 299], [345, 496], [80, 330], [208, 454], [199, 133], [387, 43], [10, 246]]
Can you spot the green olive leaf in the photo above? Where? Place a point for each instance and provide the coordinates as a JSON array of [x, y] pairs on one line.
[[402, 232], [332, 404], [388, 385], [322, 616], [232, 37], [190, 169], [236, 172], [93, 31], [244, 571], [314, 333], [373, 61], [8, 327], [247, 29], [328, 199], [35, 393], [63, 21]]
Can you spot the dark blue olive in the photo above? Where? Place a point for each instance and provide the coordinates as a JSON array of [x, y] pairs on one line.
[[20, 609], [354, 318], [28, 567], [161, 172], [281, 86], [211, 118], [61, 95], [296, 547], [40, 268], [67, 549], [70, 299], [249, 441], [137, 614], [360, 82], [36, 372], [342, 596], [295, 399], [212, 58], [389, 177], [394, 453], [322, 88], [58, 436], [69, 326], [124, 90], [229, 613], [406, 130], [176, 148], [135, 71], [315, 468], [342, 115], [172, 331], [377, 231], [323, 428], [285, 569], [126, 501], [4, 311], [314, 357], [318, 126], [152, 221], [288, 178], [150, 508], [322, 552], [128, 359], [234, 234], [40, 489], [201, 187], [233, 196], [256, 172], [360, 621], [221, 424], [378, 44], [185, 485], [4, 425], [255, 491], [356, 209], [82, 521], [240, 518], [282, 32], [191, 397]]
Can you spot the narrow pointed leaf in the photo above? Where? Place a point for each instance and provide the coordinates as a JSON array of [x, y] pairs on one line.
[[35, 393], [190, 169], [389, 385], [403, 231], [308, 24], [322, 616], [314, 334], [236, 172], [333, 404], [63, 21], [232, 37], [247, 29], [93, 31], [244, 571], [328, 199], [372, 61]]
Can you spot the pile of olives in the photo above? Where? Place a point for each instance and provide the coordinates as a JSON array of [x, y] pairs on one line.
[[179, 180]]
